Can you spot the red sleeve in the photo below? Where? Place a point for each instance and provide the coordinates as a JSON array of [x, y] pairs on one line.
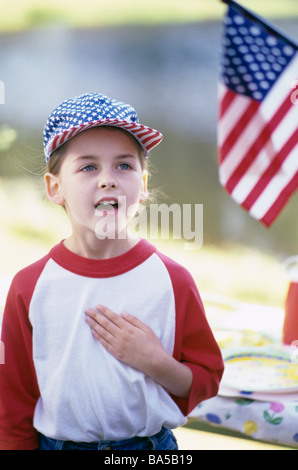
[[195, 345], [18, 384]]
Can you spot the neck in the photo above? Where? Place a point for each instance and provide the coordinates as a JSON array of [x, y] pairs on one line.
[[100, 249]]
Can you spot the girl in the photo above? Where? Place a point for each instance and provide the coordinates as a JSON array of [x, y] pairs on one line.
[[106, 342]]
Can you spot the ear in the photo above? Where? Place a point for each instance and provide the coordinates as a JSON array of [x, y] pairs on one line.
[[52, 186], [144, 190]]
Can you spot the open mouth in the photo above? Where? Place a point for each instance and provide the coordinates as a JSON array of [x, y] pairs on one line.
[[106, 206]]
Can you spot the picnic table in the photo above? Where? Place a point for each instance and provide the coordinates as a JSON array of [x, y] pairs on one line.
[[258, 396]]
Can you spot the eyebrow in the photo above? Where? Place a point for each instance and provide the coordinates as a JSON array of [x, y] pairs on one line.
[[93, 157], [85, 157], [126, 155]]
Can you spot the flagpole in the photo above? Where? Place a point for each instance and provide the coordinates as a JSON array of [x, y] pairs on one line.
[[265, 24]]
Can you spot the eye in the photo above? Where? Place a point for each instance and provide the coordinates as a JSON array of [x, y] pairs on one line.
[[89, 167], [124, 166]]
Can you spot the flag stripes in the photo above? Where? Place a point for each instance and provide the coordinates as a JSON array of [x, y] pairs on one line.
[[257, 120]]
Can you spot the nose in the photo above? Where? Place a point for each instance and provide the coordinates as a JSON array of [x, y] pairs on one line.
[[106, 181], [107, 185]]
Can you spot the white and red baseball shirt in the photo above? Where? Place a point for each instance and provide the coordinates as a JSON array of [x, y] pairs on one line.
[[59, 381]]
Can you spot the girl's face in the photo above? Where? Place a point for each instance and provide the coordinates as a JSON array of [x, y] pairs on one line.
[[101, 182]]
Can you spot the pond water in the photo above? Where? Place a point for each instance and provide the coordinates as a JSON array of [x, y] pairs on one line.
[[169, 74]]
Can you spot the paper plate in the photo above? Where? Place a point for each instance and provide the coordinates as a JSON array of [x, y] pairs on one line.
[[228, 338], [260, 371]]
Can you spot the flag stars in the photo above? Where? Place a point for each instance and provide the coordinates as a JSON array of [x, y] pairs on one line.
[[253, 59], [288, 50], [238, 19], [254, 30]]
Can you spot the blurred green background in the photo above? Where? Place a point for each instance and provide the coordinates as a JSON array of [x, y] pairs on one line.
[[162, 57]]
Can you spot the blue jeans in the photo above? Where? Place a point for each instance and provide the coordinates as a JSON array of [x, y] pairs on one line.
[[164, 440]]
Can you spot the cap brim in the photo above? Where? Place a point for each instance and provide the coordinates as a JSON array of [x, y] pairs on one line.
[[146, 136]]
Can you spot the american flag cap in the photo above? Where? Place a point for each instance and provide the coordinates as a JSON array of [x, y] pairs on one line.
[[89, 110]]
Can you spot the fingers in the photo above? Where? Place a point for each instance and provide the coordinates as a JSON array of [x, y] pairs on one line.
[[117, 320], [101, 329], [134, 321], [126, 337], [110, 329], [109, 319], [107, 313], [102, 316], [105, 323]]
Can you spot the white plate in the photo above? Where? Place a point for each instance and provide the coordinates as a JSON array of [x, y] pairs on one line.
[[260, 371]]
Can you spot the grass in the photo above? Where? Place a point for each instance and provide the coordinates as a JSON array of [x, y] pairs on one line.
[[24, 14], [31, 226]]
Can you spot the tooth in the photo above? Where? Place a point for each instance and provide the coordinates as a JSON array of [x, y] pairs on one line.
[[106, 203]]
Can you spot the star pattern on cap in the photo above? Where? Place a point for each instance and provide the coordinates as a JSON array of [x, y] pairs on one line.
[[86, 108]]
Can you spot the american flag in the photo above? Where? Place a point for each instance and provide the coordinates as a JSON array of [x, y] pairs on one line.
[[258, 114]]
